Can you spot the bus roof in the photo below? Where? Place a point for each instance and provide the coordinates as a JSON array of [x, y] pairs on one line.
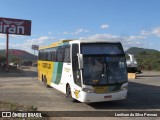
[[93, 41], [54, 44], [77, 41]]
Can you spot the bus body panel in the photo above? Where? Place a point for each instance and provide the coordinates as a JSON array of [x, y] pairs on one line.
[[45, 68], [66, 79]]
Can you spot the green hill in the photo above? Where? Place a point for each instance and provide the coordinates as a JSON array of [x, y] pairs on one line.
[[146, 57], [21, 58], [143, 56]]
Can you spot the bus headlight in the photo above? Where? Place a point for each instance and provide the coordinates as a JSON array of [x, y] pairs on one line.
[[88, 90], [124, 88]]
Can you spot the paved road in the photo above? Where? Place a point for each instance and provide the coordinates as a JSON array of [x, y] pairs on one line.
[[23, 87]]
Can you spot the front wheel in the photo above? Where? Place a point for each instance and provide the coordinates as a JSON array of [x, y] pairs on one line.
[[69, 95]]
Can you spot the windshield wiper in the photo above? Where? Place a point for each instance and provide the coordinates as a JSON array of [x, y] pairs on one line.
[[107, 70]]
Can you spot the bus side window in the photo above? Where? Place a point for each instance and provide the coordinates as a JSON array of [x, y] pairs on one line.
[[43, 55], [54, 56], [67, 54], [60, 54], [46, 55], [49, 55], [39, 55]]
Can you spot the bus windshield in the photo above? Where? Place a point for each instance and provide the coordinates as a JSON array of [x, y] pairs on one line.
[[102, 49], [101, 67]]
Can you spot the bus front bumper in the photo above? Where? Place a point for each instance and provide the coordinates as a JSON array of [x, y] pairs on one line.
[[93, 97]]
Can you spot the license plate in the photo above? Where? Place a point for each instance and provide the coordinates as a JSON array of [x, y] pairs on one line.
[[108, 96]]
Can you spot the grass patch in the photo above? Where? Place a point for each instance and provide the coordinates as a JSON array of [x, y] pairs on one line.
[[7, 106]]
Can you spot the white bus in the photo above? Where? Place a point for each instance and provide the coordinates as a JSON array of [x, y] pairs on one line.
[[85, 70], [132, 66]]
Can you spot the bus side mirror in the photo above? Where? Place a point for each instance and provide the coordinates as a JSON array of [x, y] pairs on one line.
[[80, 61]]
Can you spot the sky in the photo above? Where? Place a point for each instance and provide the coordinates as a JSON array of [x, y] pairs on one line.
[[135, 23]]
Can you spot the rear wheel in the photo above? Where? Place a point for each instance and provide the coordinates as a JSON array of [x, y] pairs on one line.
[[42, 78], [45, 82]]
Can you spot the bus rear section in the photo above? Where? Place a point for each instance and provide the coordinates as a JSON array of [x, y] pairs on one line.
[[99, 72]]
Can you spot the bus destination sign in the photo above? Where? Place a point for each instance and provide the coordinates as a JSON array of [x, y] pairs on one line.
[[15, 26]]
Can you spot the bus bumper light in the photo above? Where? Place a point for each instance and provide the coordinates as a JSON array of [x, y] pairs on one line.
[[88, 90], [124, 88]]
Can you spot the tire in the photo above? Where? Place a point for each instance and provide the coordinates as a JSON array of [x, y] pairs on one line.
[[69, 95], [42, 79], [45, 82]]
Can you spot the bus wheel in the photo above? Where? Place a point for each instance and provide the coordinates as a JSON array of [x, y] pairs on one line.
[[45, 82], [69, 95], [42, 78]]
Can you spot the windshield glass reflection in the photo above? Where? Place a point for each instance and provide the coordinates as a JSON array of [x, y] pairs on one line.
[[104, 70]]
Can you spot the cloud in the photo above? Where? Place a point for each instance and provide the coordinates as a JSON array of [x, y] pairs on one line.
[[104, 26], [2, 45], [154, 31], [115, 37], [41, 41], [133, 38], [104, 37], [2, 36], [65, 33], [146, 33], [76, 32], [49, 33], [127, 41]]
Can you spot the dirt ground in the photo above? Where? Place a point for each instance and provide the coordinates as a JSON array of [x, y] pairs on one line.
[[20, 89]]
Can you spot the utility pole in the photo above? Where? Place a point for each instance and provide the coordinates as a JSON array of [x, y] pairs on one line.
[[7, 42]]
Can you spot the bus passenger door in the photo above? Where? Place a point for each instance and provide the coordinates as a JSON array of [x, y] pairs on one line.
[[76, 72]]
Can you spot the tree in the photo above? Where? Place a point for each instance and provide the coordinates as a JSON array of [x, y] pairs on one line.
[[2, 59]]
